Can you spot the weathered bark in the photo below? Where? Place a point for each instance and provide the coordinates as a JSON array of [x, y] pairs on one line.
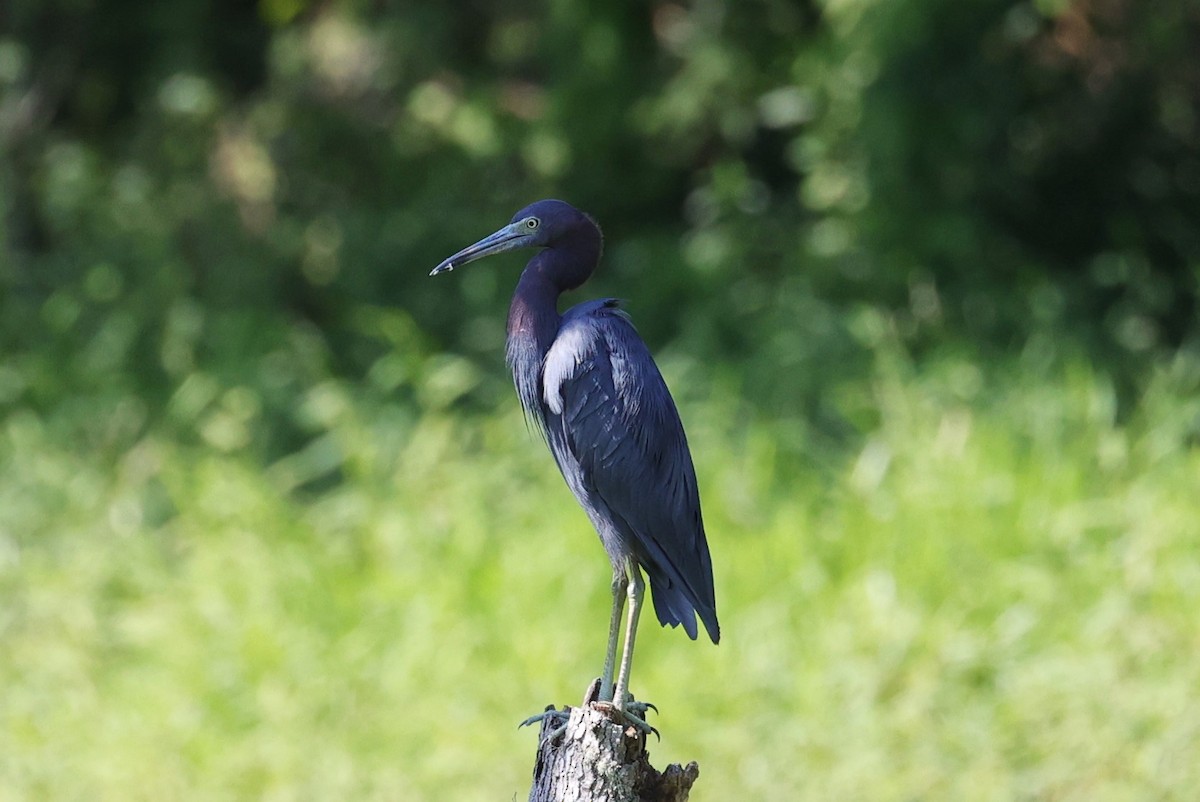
[[595, 759]]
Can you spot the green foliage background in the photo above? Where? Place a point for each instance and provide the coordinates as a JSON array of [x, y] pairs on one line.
[[922, 275]]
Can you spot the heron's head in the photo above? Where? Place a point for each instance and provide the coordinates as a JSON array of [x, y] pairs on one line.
[[539, 225]]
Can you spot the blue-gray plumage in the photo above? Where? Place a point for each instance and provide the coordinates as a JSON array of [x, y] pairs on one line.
[[588, 382]]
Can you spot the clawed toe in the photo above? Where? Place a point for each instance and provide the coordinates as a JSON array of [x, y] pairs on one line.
[[640, 708], [549, 712], [557, 719], [632, 714]]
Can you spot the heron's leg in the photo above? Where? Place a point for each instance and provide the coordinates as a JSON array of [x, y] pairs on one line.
[[614, 631], [636, 589]]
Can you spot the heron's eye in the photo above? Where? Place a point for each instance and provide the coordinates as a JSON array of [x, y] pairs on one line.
[[532, 223]]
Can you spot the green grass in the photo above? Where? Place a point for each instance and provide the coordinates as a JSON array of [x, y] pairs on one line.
[[993, 596]]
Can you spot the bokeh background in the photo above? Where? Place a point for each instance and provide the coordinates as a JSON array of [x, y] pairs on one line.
[[923, 275]]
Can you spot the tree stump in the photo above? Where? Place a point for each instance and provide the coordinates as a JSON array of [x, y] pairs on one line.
[[595, 759]]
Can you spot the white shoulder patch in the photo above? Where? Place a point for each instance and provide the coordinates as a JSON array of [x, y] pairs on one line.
[[573, 344]]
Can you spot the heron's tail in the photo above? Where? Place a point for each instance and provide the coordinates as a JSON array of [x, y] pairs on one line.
[[674, 607]]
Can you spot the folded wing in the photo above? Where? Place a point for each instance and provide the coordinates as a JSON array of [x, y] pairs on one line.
[[618, 440]]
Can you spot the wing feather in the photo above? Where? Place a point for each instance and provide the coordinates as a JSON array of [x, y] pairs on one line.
[[617, 437]]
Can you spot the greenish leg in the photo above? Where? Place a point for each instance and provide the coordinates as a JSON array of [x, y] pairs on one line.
[[614, 630], [636, 589]]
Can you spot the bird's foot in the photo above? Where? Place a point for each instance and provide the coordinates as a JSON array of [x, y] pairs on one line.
[[632, 713], [553, 722]]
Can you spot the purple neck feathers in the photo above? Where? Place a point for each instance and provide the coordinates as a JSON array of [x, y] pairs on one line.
[[533, 316]]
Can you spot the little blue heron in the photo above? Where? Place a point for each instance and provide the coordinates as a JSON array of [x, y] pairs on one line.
[[588, 382]]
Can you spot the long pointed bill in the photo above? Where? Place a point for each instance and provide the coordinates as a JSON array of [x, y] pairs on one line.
[[513, 235]]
